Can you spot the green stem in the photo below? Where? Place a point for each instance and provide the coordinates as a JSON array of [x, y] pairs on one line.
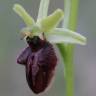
[[70, 22], [69, 72], [67, 54], [69, 64]]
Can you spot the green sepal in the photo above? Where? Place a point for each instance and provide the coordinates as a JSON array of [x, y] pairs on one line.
[[61, 35], [51, 21], [43, 9], [29, 21]]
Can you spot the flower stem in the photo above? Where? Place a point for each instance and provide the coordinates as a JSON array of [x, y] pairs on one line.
[[69, 64], [67, 54], [70, 22], [69, 72]]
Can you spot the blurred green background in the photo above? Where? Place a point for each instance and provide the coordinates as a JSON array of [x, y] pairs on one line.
[[12, 76]]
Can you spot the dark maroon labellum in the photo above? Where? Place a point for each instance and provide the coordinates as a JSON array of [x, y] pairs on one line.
[[40, 61]]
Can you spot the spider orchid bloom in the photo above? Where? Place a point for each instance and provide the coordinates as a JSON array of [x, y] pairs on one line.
[[39, 57]]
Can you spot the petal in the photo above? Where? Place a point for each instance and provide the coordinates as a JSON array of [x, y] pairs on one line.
[[61, 35]]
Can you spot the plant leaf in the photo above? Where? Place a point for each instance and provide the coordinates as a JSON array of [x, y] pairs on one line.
[[61, 35], [29, 21]]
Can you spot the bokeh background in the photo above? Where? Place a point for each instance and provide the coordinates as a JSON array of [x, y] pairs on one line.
[[12, 76]]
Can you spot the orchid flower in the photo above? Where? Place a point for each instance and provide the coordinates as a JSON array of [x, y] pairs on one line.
[[39, 57]]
